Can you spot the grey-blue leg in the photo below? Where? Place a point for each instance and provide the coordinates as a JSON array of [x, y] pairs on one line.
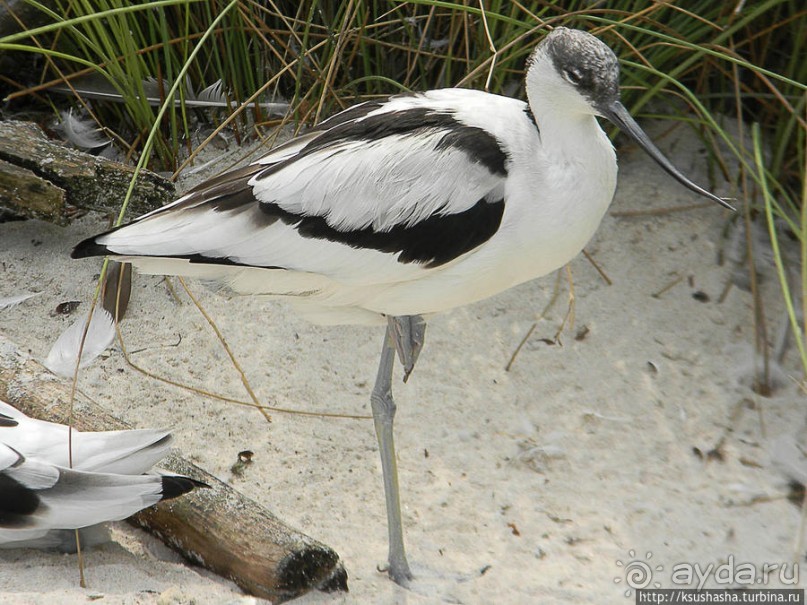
[[404, 335]]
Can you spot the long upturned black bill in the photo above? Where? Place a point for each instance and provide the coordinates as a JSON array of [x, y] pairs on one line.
[[617, 114]]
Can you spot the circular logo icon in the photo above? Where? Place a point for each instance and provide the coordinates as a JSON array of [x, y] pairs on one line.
[[637, 573]]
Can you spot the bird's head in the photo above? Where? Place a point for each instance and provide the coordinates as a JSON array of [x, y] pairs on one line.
[[575, 70], [572, 72]]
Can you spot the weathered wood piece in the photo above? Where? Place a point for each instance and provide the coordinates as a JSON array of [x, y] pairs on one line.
[[87, 181], [217, 528], [30, 195]]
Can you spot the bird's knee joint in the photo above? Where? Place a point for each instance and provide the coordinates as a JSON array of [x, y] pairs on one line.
[[383, 403]]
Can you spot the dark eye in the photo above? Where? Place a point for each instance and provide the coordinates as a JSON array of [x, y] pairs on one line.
[[573, 75]]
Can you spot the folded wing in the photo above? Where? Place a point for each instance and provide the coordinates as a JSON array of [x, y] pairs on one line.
[[382, 191]]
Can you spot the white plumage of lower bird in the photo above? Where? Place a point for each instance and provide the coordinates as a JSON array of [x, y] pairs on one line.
[[396, 209], [42, 500]]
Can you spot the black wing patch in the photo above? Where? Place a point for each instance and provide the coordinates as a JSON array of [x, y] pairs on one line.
[[433, 241], [17, 503]]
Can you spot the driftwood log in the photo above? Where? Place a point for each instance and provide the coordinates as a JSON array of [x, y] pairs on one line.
[[217, 528], [44, 179]]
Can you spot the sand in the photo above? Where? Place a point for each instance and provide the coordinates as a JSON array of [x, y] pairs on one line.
[[536, 485]]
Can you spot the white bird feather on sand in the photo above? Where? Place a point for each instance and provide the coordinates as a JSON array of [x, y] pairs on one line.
[[12, 301], [64, 353]]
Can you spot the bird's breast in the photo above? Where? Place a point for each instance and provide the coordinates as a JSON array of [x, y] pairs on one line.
[[554, 200], [554, 205]]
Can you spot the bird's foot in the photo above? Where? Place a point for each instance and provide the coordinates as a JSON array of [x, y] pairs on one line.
[[408, 333], [400, 573]]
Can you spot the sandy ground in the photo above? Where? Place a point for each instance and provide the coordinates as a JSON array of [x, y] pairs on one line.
[[537, 485]]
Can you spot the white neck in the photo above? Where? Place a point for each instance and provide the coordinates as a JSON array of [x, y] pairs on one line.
[[569, 182], [571, 139]]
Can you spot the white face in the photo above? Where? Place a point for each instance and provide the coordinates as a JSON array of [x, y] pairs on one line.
[[576, 69]]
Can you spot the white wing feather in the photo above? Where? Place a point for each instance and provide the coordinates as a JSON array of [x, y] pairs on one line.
[[125, 452], [397, 180]]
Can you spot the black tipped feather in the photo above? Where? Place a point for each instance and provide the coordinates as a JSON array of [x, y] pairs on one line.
[[89, 247], [7, 421], [176, 485]]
